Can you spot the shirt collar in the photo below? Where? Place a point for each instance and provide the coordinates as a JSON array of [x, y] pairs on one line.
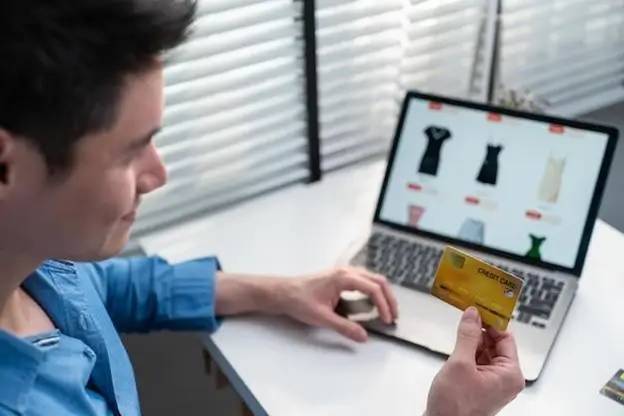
[[19, 362]]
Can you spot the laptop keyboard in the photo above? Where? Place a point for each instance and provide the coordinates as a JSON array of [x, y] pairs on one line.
[[403, 262], [538, 298], [414, 265]]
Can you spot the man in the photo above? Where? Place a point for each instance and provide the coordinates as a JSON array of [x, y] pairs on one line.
[[81, 96]]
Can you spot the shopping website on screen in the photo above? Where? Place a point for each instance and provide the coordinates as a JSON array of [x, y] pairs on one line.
[[515, 185]]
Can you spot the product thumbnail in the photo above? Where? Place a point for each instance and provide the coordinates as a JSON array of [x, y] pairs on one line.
[[551, 181], [489, 170], [472, 231], [414, 213], [536, 245], [430, 162]]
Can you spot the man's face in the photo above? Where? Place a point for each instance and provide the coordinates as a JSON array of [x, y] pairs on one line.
[[88, 214]]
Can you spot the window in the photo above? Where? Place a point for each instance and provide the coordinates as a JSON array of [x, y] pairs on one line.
[[445, 44], [235, 118], [358, 55], [236, 121], [370, 52], [570, 53]]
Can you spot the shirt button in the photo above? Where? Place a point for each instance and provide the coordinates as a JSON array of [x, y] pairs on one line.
[[84, 323]]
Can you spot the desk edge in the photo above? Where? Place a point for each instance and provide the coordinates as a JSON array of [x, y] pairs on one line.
[[238, 384]]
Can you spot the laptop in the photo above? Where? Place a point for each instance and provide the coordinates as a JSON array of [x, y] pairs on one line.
[[518, 190]]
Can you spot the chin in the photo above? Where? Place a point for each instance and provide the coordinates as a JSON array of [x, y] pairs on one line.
[[111, 247], [114, 246], [104, 253]]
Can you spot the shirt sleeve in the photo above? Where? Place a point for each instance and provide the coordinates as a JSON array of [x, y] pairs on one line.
[[145, 294]]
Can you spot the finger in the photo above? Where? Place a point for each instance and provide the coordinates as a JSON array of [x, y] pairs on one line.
[[352, 281], [343, 326], [386, 288], [481, 346], [504, 344], [468, 336], [484, 343], [487, 354], [487, 339], [485, 358]]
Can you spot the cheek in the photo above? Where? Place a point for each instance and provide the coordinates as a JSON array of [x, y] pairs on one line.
[[126, 192], [117, 197]]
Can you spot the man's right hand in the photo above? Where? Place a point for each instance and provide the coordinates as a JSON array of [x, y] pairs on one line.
[[481, 376]]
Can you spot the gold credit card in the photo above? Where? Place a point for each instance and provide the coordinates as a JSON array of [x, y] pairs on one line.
[[463, 281]]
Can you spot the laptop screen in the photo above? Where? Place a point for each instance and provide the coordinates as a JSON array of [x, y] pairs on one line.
[[511, 184]]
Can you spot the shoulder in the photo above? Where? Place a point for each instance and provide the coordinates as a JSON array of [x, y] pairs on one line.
[[64, 273], [68, 269]]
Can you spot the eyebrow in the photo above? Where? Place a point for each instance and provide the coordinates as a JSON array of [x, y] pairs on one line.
[[143, 141]]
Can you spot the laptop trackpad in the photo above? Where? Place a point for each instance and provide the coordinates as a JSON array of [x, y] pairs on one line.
[[423, 319]]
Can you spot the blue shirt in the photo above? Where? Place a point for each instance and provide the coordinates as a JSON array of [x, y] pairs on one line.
[[62, 353], [90, 303]]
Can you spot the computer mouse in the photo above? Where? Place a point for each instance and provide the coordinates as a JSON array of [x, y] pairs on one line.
[[361, 309]]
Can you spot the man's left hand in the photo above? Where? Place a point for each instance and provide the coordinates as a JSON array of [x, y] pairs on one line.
[[313, 299]]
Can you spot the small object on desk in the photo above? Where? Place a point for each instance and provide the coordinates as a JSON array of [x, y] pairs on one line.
[[463, 281], [359, 308], [614, 389]]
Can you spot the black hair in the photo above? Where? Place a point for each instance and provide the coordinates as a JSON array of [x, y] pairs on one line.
[[63, 64]]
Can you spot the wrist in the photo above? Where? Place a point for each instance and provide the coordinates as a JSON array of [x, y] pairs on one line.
[[437, 411], [270, 294], [456, 412], [238, 294]]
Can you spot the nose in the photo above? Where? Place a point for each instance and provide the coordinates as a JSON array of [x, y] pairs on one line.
[[154, 174]]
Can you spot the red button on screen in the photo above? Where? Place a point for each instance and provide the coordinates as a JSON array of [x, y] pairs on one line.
[[494, 117], [435, 106]]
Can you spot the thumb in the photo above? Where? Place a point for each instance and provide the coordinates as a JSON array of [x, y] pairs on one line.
[[468, 335], [344, 326]]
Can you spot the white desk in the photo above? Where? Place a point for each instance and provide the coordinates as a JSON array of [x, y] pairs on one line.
[[282, 369]]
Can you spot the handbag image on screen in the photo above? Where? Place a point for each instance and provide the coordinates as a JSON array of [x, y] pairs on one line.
[[430, 161], [472, 231], [551, 180]]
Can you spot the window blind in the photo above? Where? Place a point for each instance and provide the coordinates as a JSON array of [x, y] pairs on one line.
[[370, 52], [358, 56], [570, 53], [446, 47], [235, 118]]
